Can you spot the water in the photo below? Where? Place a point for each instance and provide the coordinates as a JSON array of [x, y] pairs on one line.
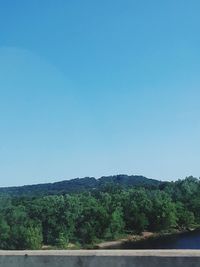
[[189, 240]]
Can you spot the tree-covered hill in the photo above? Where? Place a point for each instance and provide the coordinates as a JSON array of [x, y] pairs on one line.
[[108, 213], [80, 185]]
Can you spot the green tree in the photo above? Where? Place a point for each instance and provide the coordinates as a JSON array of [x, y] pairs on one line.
[[62, 241], [163, 215], [185, 218], [33, 237], [4, 234], [116, 224]]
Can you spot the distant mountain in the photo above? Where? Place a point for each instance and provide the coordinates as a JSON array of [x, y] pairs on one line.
[[80, 185]]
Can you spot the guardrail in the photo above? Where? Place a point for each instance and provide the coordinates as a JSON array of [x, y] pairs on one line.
[[101, 258]]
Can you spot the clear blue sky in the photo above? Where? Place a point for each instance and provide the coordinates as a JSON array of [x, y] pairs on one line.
[[92, 88]]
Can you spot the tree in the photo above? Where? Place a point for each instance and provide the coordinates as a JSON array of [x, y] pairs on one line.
[[185, 218], [33, 237], [4, 234], [163, 215], [62, 241], [116, 224]]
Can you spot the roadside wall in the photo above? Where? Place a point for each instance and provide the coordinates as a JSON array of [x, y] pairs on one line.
[[101, 258]]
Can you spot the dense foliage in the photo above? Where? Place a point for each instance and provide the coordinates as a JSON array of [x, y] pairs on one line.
[[100, 214], [79, 185]]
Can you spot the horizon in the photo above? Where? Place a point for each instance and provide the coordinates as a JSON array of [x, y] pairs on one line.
[[92, 89]]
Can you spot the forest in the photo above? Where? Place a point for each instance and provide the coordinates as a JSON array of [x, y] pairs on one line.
[[104, 213], [78, 185]]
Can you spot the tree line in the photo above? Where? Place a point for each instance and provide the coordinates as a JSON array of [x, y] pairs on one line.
[[101, 214]]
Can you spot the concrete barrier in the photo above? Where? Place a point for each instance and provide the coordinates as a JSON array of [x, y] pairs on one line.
[[101, 258]]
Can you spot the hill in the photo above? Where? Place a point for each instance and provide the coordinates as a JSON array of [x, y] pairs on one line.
[[80, 185]]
